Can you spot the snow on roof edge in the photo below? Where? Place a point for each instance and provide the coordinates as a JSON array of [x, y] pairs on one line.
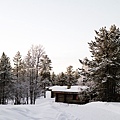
[[72, 89]]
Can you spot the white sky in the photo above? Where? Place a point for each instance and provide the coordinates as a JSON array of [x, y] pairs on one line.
[[63, 27]]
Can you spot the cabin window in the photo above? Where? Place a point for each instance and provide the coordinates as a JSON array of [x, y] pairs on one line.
[[75, 97]]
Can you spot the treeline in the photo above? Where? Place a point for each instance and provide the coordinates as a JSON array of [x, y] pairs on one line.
[[28, 78]]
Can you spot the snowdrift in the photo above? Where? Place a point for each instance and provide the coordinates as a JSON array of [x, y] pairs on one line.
[[47, 109]]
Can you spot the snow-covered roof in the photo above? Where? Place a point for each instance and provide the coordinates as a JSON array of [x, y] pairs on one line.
[[72, 89]]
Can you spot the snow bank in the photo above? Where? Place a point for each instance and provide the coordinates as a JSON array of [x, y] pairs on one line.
[[47, 109]]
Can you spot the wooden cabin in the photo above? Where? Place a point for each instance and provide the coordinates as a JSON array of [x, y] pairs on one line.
[[62, 94]]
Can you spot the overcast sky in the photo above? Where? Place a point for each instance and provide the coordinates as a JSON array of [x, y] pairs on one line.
[[63, 27]]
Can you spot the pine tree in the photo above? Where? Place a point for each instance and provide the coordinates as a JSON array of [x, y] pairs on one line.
[[62, 79], [24, 83], [17, 76], [5, 78], [71, 80], [104, 69], [29, 68], [45, 72], [53, 79], [76, 76], [84, 73]]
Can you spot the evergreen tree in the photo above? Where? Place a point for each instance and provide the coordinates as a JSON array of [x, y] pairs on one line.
[[70, 74], [24, 83], [53, 79], [30, 67], [17, 77], [45, 72], [104, 69], [62, 79], [84, 73], [76, 76], [5, 78]]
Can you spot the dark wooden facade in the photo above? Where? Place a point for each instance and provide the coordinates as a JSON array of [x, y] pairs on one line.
[[67, 97]]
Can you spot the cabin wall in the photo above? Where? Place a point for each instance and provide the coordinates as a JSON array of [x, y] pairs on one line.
[[67, 98]]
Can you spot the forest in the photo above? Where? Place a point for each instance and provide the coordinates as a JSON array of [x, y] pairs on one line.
[[28, 78]]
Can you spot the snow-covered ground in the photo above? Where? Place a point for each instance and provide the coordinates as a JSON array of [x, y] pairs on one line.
[[47, 109]]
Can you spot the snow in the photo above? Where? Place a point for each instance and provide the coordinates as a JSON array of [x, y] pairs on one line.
[[47, 109], [64, 88]]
